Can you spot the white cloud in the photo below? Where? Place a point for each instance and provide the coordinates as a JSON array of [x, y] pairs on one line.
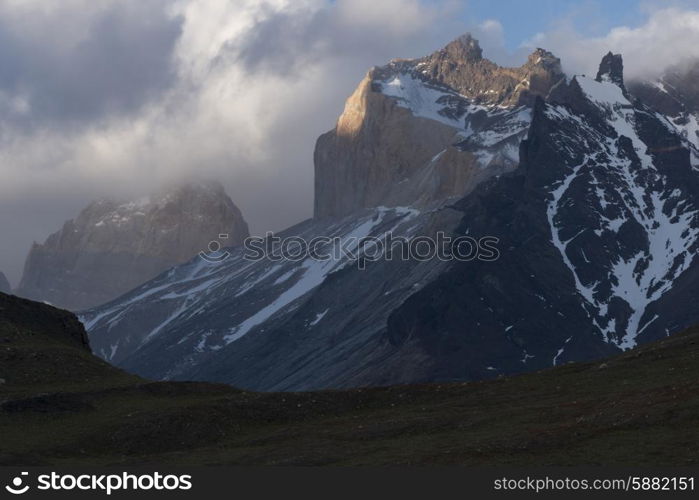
[[493, 30], [669, 36], [397, 17], [219, 114]]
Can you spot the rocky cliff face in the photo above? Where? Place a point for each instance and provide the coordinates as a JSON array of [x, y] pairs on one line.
[[112, 247], [611, 69], [420, 131], [4, 284]]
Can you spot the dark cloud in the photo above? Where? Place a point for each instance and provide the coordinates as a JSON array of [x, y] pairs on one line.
[[122, 61], [282, 43]]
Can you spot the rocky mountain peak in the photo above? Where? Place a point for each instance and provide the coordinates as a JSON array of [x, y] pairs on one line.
[[112, 246], [395, 142], [545, 59], [464, 49], [612, 69]]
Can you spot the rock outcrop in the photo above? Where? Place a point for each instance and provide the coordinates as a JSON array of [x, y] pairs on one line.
[[29, 319], [112, 246], [460, 66], [611, 69], [423, 130]]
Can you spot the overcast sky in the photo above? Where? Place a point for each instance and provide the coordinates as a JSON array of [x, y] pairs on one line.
[[116, 97]]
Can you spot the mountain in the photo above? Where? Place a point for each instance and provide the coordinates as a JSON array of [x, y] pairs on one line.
[[59, 405], [675, 95], [276, 321], [114, 246], [589, 192], [599, 229], [4, 284], [422, 130]]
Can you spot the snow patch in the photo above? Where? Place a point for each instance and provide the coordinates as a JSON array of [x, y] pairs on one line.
[[318, 317]]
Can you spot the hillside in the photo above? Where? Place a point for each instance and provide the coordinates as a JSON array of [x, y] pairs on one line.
[[61, 405]]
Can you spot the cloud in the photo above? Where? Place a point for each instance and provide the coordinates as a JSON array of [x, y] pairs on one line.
[[491, 37], [150, 90], [120, 96], [669, 36], [106, 59], [117, 97]]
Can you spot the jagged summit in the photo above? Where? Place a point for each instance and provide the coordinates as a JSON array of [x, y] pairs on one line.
[[418, 131], [113, 246], [464, 48], [460, 66], [612, 69], [606, 88], [544, 58]]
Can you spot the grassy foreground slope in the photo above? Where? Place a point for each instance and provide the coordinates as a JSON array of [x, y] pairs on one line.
[[61, 405]]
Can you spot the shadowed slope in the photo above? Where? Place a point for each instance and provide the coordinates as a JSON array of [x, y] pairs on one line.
[[60, 405]]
